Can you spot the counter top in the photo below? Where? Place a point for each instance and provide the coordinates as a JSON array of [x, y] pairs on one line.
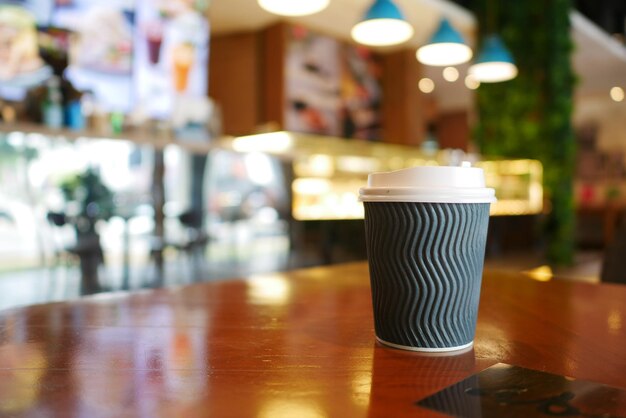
[[294, 344]]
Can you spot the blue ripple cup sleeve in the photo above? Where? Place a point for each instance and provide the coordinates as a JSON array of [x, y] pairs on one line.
[[426, 246]]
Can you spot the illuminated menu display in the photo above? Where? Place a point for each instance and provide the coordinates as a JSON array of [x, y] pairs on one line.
[[129, 55], [171, 54]]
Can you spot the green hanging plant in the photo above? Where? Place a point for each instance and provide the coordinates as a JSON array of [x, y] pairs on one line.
[[530, 116]]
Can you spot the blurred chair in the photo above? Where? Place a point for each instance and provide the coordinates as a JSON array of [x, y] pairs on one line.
[[190, 247], [61, 245], [614, 263], [195, 243], [84, 250]]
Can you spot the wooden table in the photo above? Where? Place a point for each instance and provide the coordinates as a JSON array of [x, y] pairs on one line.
[[297, 344]]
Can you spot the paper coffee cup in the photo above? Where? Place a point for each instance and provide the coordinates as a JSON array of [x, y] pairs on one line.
[[426, 230]]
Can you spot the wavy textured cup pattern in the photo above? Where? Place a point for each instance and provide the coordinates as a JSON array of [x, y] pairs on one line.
[[426, 262]]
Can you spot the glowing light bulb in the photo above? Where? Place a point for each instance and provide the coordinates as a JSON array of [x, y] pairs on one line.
[[450, 74], [426, 85], [293, 7]]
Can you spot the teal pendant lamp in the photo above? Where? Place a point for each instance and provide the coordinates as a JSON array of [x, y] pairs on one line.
[[382, 25], [446, 47], [494, 62]]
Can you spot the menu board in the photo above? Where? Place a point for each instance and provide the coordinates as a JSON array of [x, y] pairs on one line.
[[171, 54], [128, 54], [21, 67], [101, 50]]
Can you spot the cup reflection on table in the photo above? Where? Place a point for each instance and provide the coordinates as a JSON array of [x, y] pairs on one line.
[[404, 378]]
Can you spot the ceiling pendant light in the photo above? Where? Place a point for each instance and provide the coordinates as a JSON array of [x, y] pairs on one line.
[[382, 25], [293, 7], [446, 47], [494, 63]]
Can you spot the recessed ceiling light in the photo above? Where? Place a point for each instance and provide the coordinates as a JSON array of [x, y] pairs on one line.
[[426, 85], [617, 94], [450, 74], [471, 83]]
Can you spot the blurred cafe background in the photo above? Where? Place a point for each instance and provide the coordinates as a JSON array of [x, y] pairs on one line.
[[149, 143]]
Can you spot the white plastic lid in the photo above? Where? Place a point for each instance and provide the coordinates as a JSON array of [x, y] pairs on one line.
[[434, 184]]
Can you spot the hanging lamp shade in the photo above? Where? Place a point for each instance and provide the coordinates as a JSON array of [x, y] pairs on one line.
[[446, 47], [494, 62], [293, 7], [382, 25]]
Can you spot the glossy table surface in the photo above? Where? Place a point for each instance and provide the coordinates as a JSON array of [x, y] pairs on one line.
[[295, 344]]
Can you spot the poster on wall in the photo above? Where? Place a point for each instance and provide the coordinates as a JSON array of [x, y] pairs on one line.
[[171, 54], [21, 65], [312, 83], [360, 94], [331, 88], [136, 54], [101, 48]]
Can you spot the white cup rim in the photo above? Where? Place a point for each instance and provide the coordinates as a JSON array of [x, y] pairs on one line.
[[427, 195], [434, 184]]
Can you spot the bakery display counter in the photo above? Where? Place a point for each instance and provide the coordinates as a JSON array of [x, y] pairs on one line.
[[328, 172]]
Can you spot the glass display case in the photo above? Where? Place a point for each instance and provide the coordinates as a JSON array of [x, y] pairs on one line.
[[328, 172]]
